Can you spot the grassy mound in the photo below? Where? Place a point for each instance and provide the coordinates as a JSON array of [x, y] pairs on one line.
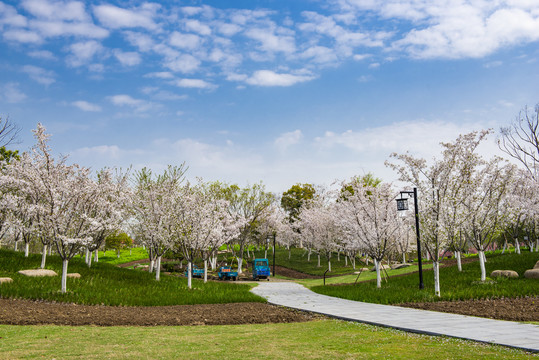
[[109, 285], [454, 285]]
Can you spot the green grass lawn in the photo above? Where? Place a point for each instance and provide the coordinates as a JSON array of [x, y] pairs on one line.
[[455, 285], [107, 284], [325, 339], [110, 256]]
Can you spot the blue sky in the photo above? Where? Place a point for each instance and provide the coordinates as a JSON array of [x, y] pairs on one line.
[[280, 91]]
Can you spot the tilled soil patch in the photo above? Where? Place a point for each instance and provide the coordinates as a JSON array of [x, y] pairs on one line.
[[27, 312], [519, 309]]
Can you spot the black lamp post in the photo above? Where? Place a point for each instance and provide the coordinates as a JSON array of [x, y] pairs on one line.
[[402, 204], [274, 235]]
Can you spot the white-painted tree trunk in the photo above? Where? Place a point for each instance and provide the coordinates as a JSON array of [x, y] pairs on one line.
[[354, 262], [240, 263], [504, 247], [404, 258], [158, 268], [436, 270], [189, 275], [87, 256], [26, 249], [50, 250], [482, 265], [96, 256], [329, 265], [205, 271], [150, 269], [537, 245], [64, 276], [16, 242], [309, 256], [345, 260], [378, 275], [459, 261], [266, 253], [366, 261], [318, 260], [248, 253], [517, 246], [484, 257], [338, 256], [44, 256], [118, 254]]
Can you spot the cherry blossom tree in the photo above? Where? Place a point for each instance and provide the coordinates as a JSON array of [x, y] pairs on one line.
[[441, 189], [154, 203], [370, 218]]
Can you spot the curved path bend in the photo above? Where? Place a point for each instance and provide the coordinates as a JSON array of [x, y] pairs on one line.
[[507, 333]]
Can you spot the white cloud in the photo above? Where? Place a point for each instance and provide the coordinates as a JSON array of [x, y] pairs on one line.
[[194, 83], [183, 63], [284, 141], [63, 10], [83, 52], [101, 151], [320, 54], [198, 27], [116, 18], [128, 58], [42, 54], [126, 100], [185, 41], [86, 106], [22, 36], [9, 16], [11, 93], [272, 42], [40, 75], [59, 28], [270, 78], [160, 75]]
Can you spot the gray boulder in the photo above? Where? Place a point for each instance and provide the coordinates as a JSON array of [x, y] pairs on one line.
[[38, 272], [532, 274], [504, 273]]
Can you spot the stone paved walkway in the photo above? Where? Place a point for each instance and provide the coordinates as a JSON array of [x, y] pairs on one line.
[[507, 333]]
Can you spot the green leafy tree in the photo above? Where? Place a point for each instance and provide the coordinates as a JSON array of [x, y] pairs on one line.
[[118, 241], [368, 180], [294, 198]]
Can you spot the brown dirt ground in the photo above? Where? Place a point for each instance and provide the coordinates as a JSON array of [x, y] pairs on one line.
[[27, 312], [520, 309]]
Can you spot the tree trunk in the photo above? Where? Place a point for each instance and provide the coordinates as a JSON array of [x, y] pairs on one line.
[[404, 258], [150, 269], [504, 246], [459, 262], [248, 253], [16, 241], [240, 263], [339, 256], [44, 256], [96, 257], [309, 256], [64, 276], [345, 260], [517, 246], [482, 265], [378, 275], [205, 271], [318, 259], [189, 275], [354, 262], [329, 265], [436, 269], [118, 254], [87, 256], [289, 252], [158, 268], [26, 249]]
